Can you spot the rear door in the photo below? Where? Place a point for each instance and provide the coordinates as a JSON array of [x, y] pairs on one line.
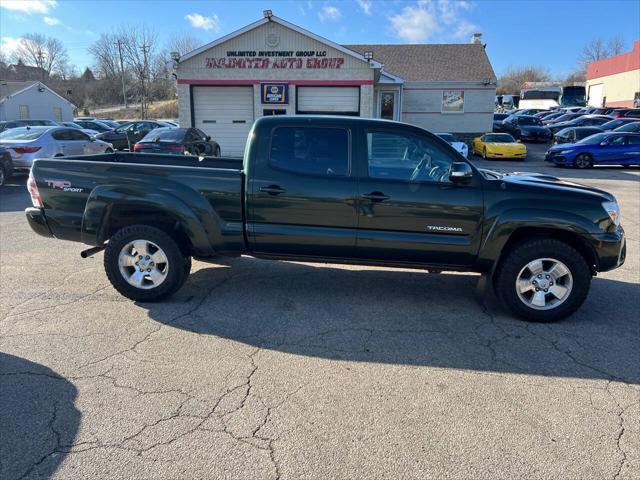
[[301, 193], [409, 209]]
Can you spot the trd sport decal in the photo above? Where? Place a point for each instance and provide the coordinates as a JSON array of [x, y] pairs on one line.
[[64, 185]]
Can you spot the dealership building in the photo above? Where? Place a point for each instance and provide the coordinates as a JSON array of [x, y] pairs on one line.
[[615, 81], [273, 67]]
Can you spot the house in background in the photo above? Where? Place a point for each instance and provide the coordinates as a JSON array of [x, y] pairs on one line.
[[33, 100], [615, 81]]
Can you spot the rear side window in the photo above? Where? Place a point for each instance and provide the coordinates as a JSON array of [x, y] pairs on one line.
[[311, 150], [61, 135], [633, 139]]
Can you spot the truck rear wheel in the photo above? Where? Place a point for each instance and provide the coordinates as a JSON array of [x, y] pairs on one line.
[[543, 280], [144, 264]]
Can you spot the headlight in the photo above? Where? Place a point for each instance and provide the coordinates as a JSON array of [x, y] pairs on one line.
[[613, 210], [564, 152]]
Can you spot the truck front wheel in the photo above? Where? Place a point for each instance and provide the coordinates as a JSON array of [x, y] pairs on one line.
[[144, 264], [543, 280]]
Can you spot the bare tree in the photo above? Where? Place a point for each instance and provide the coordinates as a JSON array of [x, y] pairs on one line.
[[106, 56], [616, 45], [511, 81], [41, 51], [182, 44], [598, 49], [139, 48]]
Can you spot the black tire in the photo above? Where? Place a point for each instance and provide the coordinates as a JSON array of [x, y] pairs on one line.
[[516, 259], [109, 150], [4, 176], [216, 152], [175, 277], [583, 161]]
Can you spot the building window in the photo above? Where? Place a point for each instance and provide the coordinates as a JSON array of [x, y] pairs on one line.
[[57, 114], [24, 112]]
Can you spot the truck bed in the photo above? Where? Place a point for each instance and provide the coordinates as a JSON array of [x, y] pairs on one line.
[[87, 197]]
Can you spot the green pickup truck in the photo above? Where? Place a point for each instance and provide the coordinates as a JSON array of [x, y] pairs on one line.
[[339, 190]]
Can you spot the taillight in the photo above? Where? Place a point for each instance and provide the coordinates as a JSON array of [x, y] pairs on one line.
[[175, 148], [137, 147], [25, 149], [32, 186]]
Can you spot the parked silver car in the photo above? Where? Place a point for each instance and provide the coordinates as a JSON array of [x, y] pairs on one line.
[[25, 144]]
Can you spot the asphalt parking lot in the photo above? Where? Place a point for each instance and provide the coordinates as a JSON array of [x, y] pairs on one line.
[[261, 369]]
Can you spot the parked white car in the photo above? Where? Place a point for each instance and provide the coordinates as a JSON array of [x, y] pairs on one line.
[[461, 147], [25, 144]]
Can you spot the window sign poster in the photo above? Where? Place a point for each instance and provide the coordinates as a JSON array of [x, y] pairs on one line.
[[452, 101], [275, 93]]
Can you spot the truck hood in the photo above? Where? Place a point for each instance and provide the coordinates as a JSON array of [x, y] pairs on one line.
[[543, 181]]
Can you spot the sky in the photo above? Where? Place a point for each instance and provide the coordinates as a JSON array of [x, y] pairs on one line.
[[550, 33]]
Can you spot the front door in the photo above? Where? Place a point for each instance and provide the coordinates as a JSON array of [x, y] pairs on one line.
[[301, 194], [409, 209], [387, 105]]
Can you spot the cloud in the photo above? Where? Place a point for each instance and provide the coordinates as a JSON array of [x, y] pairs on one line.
[[427, 18], [329, 13], [8, 45], [29, 6], [206, 23], [51, 21], [365, 5]]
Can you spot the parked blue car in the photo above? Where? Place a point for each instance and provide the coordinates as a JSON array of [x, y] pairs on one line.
[[607, 148]]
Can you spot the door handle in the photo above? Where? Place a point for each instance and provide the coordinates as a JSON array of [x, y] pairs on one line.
[[375, 196], [272, 189]]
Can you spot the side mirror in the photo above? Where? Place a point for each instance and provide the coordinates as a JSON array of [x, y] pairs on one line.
[[461, 172], [519, 141], [208, 137], [604, 143]]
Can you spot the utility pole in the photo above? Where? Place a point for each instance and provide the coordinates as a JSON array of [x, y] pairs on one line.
[[40, 55], [124, 91], [143, 103]]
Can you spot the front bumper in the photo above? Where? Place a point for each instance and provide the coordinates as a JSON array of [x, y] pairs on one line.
[[610, 247], [38, 222]]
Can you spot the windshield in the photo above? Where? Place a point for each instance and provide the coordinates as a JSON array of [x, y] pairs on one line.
[[168, 135], [593, 139], [529, 121], [499, 138], [447, 137], [566, 117], [124, 127], [573, 97], [22, 133]]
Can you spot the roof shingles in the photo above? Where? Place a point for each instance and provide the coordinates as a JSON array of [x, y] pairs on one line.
[[432, 62]]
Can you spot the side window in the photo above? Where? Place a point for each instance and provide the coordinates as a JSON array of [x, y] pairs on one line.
[[203, 136], [311, 150], [78, 135], [61, 135], [633, 140], [617, 140], [406, 157]]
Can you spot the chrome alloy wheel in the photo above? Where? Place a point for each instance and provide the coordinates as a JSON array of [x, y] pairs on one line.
[[544, 283], [143, 264]]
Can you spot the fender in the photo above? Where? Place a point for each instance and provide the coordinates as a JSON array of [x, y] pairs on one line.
[[500, 228], [200, 222]]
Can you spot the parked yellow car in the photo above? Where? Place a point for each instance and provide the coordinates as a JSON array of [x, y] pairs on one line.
[[498, 145]]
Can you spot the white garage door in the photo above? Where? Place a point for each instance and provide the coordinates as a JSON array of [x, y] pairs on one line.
[[332, 100], [595, 95], [225, 113]]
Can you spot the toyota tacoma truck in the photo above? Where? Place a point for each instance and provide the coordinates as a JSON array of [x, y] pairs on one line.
[[338, 190]]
